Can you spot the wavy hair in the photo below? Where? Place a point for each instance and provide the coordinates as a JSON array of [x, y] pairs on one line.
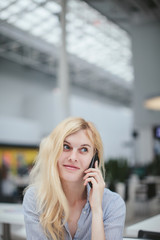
[[51, 200]]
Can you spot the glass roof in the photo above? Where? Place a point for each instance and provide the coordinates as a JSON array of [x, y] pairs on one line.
[[90, 35]]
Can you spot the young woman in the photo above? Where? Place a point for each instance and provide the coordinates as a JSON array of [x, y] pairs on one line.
[[60, 203]]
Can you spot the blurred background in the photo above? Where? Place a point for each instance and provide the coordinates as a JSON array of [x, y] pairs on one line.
[[98, 59]]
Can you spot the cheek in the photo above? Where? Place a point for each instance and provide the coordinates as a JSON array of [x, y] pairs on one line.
[[62, 157], [60, 162], [86, 161]]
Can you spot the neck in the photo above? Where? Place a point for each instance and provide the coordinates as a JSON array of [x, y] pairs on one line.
[[74, 193]]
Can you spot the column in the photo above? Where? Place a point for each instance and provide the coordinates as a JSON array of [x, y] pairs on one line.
[[146, 60], [63, 75]]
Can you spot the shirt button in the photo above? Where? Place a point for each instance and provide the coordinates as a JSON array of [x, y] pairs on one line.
[[84, 212]]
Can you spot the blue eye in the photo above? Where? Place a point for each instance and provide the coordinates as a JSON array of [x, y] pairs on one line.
[[84, 149], [66, 147]]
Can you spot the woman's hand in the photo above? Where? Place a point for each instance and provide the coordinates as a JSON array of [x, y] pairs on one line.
[[94, 176]]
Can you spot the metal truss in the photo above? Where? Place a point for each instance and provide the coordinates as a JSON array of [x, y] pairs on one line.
[[28, 50]]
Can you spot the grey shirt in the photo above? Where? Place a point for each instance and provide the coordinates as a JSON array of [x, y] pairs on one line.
[[113, 217]]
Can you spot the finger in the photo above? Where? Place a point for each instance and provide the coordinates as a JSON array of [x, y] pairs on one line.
[[96, 164], [99, 179], [90, 179], [92, 174], [95, 171], [92, 170]]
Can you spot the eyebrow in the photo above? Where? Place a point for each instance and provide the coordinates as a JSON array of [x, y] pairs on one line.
[[83, 145]]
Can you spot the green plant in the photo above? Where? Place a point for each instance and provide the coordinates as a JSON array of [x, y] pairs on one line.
[[116, 170]]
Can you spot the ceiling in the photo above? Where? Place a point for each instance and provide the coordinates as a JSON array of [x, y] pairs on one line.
[[126, 13], [104, 70]]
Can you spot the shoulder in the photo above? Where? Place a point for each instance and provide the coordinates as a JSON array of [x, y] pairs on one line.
[[113, 202], [109, 195], [29, 200], [30, 193]]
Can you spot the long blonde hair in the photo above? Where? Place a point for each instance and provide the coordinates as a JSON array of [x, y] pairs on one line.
[[51, 200]]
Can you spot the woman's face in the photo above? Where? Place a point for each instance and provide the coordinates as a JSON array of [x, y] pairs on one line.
[[77, 153]]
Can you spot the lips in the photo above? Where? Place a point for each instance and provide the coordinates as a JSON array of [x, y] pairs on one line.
[[71, 167]]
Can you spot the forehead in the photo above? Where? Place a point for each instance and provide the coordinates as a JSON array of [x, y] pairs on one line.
[[80, 137]]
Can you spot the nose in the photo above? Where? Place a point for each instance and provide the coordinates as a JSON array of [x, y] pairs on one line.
[[73, 155]]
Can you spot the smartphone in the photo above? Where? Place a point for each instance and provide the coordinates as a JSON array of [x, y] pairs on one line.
[[92, 164]]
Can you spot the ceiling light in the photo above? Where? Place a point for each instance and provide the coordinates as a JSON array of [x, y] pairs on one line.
[[153, 103]]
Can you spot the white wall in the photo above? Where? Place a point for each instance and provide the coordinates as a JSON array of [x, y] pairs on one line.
[[25, 100], [19, 130], [29, 110]]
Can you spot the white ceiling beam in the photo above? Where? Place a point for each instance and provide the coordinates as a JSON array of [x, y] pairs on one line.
[[27, 61], [26, 39]]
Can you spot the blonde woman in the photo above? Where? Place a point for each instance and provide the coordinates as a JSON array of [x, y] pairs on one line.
[[60, 203]]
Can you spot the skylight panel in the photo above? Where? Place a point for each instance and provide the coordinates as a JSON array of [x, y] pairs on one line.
[[45, 30], [25, 3], [38, 31], [71, 16], [50, 23], [30, 17], [5, 15], [41, 12], [53, 38], [29, 5], [4, 4], [40, 1], [12, 19], [23, 25], [53, 7], [13, 9]]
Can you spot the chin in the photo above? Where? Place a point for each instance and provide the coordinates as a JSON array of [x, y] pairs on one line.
[[71, 178]]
